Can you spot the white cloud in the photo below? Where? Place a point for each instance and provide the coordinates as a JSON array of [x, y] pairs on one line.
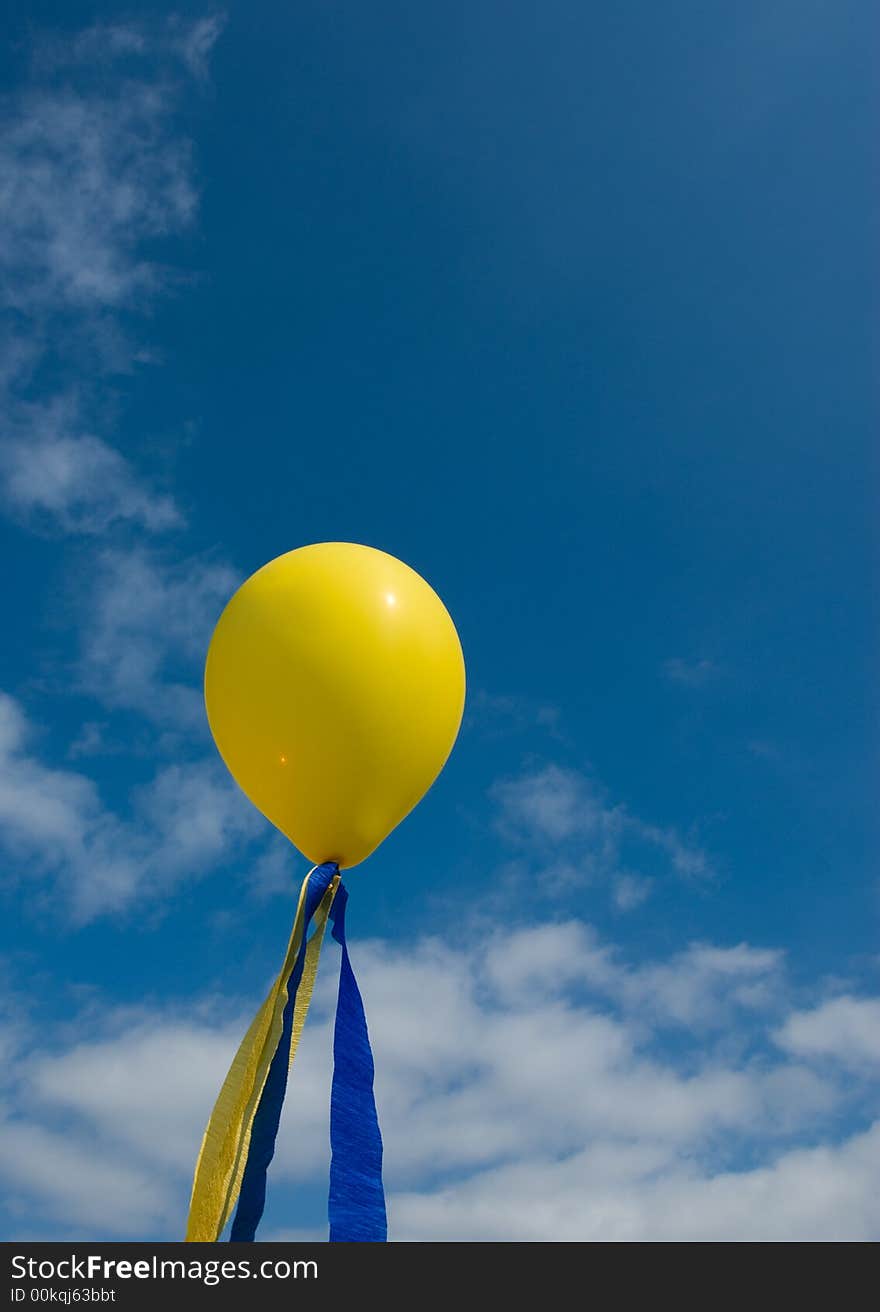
[[50, 1170], [845, 1028], [86, 181], [630, 1192], [111, 1083], [75, 481], [93, 170], [701, 986], [53, 820], [551, 808], [87, 176], [556, 805], [525, 1092], [55, 828], [145, 627], [193, 816], [698, 988]]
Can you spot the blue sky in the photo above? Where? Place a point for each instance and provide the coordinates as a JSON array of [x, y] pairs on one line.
[[571, 308]]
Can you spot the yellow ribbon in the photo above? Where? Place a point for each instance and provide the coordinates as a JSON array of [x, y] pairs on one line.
[[223, 1154]]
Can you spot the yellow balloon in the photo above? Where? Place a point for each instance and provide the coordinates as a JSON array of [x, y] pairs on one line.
[[334, 686]]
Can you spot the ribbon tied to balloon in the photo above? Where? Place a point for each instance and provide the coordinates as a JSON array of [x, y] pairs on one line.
[[334, 689]]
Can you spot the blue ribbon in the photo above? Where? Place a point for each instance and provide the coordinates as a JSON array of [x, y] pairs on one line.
[[357, 1199], [264, 1131]]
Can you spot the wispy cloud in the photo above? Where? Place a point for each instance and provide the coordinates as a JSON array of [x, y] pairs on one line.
[[57, 478], [690, 673], [164, 42], [61, 835], [538, 1104], [496, 715], [93, 169], [556, 805], [145, 625], [195, 41], [630, 891], [97, 174], [92, 166], [566, 820]]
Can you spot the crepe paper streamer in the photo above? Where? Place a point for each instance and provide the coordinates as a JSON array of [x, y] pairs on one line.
[[239, 1142], [224, 1150], [310, 969], [218, 1174], [301, 1006], [264, 1130], [357, 1199]]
